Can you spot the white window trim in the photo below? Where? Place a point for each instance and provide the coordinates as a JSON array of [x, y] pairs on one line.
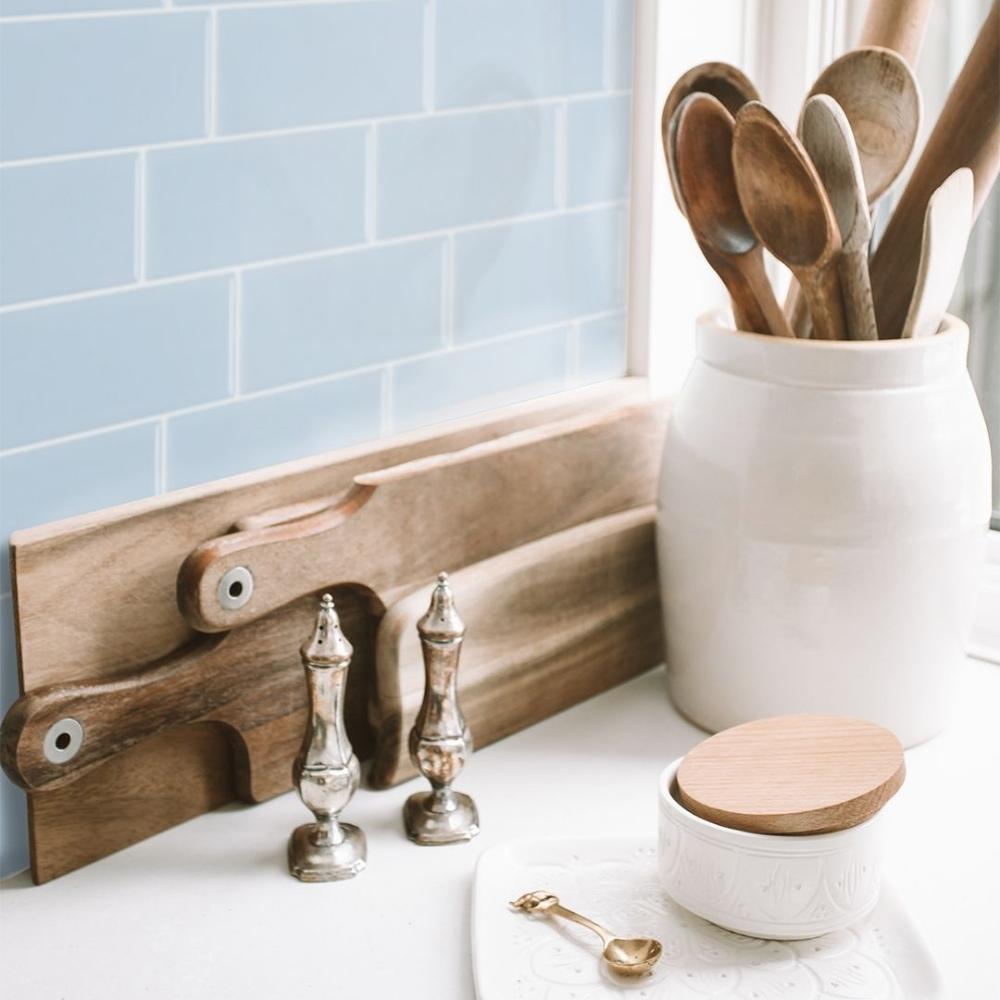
[[670, 37]]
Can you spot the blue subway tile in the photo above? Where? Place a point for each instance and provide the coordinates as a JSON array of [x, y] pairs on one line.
[[621, 27], [602, 347], [82, 365], [597, 149], [75, 477], [316, 317], [516, 50], [13, 811], [538, 272], [281, 67], [469, 380], [66, 227], [231, 202], [263, 430], [462, 169], [82, 83]]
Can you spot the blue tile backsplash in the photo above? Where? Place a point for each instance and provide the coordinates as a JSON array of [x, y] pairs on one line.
[[237, 233], [84, 84]]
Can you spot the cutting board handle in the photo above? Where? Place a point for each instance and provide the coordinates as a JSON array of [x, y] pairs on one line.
[[399, 526], [54, 734]]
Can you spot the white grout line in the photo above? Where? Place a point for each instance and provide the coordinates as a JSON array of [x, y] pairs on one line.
[[174, 279], [169, 9], [140, 217], [385, 416], [573, 353], [306, 383], [560, 181], [448, 292], [429, 80], [371, 178], [212, 74], [161, 456], [292, 130], [608, 67], [236, 334]]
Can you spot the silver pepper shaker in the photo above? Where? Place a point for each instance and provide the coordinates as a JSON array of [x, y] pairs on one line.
[[440, 740], [326, 772]]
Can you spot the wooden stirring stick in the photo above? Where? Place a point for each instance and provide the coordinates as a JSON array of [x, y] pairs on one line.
[[967, 134], [699, 158], [787, 206], [898, 25]]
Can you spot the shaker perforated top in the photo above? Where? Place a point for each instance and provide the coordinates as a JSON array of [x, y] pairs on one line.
[[792, 774]]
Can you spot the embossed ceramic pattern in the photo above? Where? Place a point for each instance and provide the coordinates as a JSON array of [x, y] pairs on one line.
[[616, 880], [823, 515], [780, 887]]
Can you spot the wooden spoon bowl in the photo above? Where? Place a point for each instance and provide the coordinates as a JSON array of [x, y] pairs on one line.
[[727, 84], [879, 94], [787, 206]]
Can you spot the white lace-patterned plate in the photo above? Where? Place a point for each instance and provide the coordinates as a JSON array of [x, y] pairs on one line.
[[614, 881]]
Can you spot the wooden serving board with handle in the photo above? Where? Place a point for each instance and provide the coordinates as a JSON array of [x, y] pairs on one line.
[[179, 722], [548, 624]]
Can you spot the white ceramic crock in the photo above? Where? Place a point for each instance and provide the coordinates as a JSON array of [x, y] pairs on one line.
[[780, 888], [823, 509]]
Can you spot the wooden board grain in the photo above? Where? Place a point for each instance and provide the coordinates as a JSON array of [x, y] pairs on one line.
[[127, 617], [547, 625]]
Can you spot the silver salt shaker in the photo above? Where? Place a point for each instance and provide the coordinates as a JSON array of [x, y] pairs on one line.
[[326, 771], [440, 740]]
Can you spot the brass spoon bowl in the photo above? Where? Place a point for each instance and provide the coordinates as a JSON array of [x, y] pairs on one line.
[[626, 956]]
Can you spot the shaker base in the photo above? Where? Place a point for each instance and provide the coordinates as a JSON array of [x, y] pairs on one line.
[[429, 828], [310, 862]]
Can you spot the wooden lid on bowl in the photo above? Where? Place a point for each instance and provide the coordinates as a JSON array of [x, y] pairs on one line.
[[792, 774]]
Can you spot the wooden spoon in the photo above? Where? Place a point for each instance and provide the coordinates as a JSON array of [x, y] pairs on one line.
[[946, 235], [730, 86], [826, 135], [699, 158], [966, 134], [879, 94], [786, 204]]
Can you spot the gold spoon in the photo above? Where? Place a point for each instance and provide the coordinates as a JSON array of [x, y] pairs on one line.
[[626, 956]]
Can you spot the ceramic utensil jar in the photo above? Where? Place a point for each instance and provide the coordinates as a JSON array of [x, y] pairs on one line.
[[823, 509]]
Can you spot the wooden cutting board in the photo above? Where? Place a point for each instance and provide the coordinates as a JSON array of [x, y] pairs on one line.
[[548, 624], [240, 701]]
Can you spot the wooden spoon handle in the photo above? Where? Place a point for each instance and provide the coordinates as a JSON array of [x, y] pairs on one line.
[[855, 283], [755, 309], [898, 25], [821, 288], [751, 264], [967, 134], [796, 310]]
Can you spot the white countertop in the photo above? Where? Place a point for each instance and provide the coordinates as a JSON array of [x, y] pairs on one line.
[[207, 910]]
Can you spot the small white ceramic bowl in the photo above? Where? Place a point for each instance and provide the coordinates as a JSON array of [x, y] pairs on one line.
[[783, 888]]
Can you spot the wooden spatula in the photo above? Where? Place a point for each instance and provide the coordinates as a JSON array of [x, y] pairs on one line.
[[946, 235], [792, 774]]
